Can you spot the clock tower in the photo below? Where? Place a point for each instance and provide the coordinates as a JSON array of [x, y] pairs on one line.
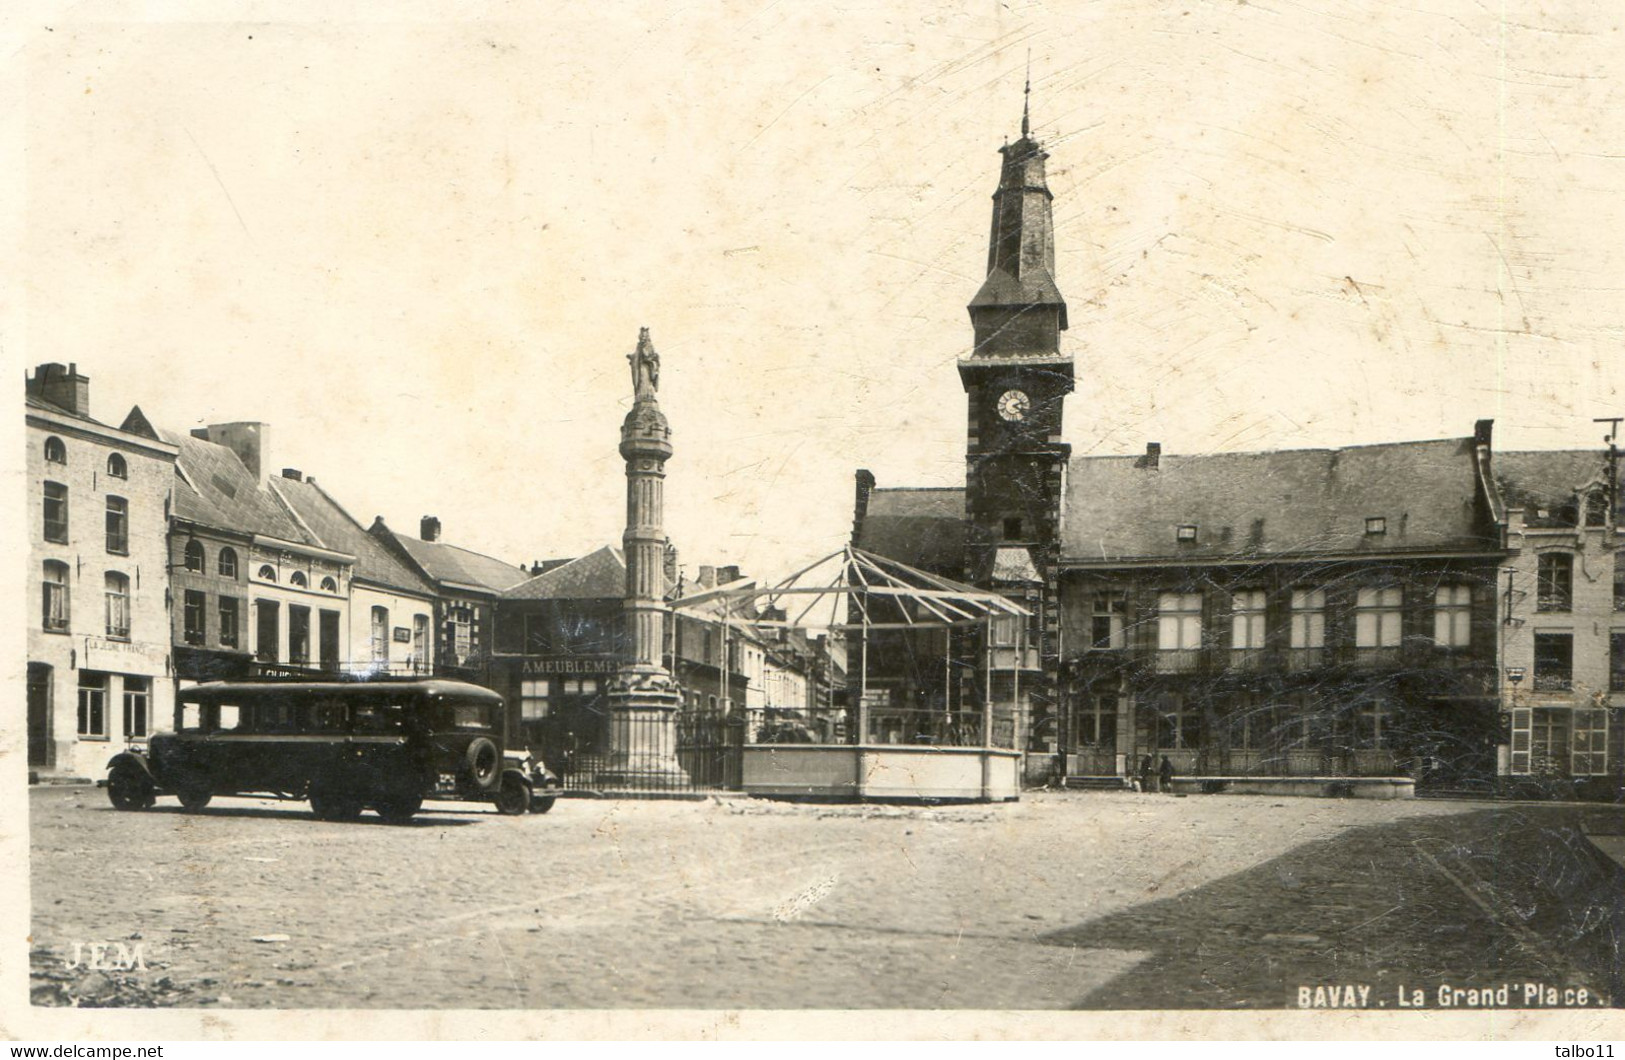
[[1016, 378]]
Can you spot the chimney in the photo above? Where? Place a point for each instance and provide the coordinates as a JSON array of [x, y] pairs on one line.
[[1153, 456], [247, 440], [707, 578], [293, 473], [860, 504], [429, 528], [727, 574], [63, 387]]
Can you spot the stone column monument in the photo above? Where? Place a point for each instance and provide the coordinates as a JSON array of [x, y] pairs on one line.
[[643, 697]]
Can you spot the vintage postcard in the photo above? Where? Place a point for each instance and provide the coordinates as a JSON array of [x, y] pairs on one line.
[[1091, 519]]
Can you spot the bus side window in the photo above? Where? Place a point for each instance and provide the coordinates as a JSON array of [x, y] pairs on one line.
[[275, 716], [378, 717], [327, 715], [232, 718], [191, 719]]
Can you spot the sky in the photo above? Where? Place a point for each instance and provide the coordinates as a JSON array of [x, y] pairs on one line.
[[420, 248]]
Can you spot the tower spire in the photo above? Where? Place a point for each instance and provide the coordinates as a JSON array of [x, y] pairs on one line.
[[1026, 93]]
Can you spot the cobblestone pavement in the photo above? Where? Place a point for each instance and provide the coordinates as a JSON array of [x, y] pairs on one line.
[[1062, 900]]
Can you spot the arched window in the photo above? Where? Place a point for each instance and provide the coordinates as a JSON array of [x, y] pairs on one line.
[[55, 451], [297, 578], [116, 466], [118, 605], [329, 585], [194, 556], [268, 573], [56, 596], [228, 562]]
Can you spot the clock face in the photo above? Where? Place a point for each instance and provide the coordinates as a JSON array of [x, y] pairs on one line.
[[1013, 405]]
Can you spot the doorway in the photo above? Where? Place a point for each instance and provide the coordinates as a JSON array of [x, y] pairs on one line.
[[41, 749], [268, 639]]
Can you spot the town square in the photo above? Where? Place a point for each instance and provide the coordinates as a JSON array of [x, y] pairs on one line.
[[1091, 901], [999, 511]]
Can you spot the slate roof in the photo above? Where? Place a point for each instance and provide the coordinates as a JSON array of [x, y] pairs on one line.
[[1035, 286], [599, 575], [1280, 503], [923, 528], [34, 401], [339, 531], [214, 489], [448, 563], [1548, 479]]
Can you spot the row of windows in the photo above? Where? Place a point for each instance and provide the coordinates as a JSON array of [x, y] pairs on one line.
[[194, 609], [380, 631], [58, 601], [1183, 725], [54, 508], [536, 693], [137, 703], [1554, 662], [195, 559], [1559, 742], [57, 453], [1378, 619]]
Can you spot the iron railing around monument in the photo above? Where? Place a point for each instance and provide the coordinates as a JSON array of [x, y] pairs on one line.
[[706, 746]]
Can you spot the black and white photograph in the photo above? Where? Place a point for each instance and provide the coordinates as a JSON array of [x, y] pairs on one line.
[[1078, 519]]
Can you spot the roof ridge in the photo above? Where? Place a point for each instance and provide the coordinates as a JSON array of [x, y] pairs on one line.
[[272, 487], [1165, 455]]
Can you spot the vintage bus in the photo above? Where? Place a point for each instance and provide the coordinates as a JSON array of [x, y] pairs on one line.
[[383, 745]]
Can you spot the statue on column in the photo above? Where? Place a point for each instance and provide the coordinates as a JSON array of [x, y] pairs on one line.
[[645, 368]]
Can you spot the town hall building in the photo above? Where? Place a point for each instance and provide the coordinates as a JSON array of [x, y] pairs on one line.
[[1310, 613]]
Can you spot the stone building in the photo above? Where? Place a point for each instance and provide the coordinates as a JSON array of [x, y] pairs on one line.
[[1290, 613], [1563, 591], [560, 636], [391, 606], [98, 625], [256, 591], [1323, 612], [466, 586]]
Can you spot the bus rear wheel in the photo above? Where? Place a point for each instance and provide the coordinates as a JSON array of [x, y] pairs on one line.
[[194, 799], [398, 809], [334, 806]]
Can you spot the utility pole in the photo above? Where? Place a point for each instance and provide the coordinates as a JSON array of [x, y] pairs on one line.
[[1613, 462]]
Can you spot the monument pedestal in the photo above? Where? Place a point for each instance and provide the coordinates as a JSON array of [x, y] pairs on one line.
[[643, 704]]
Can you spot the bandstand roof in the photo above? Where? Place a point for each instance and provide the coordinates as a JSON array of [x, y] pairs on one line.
[[852, 589]]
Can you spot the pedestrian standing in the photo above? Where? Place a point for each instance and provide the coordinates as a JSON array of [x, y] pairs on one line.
[[1148, 775], [1166, 775]]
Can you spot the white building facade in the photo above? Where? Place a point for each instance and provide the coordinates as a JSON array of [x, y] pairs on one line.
[[98, 628]]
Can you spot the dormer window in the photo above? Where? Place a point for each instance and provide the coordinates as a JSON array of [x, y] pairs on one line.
[[1596, 508], [1186, 532], [1376, 525]]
